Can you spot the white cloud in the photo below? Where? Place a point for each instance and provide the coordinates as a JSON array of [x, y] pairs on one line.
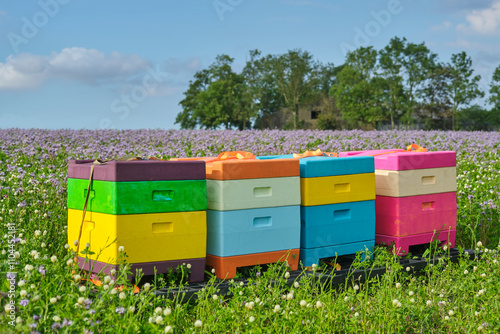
[[484, 22], [444, 26], [25, 71]]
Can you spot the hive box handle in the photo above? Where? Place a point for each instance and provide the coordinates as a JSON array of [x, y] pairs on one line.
[[163, 195], [164, 227], [262, 221], [428, 180], [262, 191]]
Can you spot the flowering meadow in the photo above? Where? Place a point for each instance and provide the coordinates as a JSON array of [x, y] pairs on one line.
[[43, 291]]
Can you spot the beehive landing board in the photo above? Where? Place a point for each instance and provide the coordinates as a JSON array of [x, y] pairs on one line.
[[310, 256], [401, 245]]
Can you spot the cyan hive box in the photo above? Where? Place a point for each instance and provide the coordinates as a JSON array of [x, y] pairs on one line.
[[310, 256], [240, 232], [334, 224], [253, 193], [404, 216], [329, 166], [121, 198]]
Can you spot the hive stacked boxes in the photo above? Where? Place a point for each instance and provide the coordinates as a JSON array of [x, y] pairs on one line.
[[337, 206], [155, 209], [253, 214], [416, 197]]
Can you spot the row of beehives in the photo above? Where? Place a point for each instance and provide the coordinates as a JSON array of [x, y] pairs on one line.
[[239, 212]]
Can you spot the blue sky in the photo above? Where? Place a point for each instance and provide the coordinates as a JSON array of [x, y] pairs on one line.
[[125, 64]]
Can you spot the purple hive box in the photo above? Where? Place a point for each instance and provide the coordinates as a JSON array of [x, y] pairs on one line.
[[138, 170]]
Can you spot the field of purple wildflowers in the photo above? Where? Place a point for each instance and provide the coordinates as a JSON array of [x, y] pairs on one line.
[[43, 292]]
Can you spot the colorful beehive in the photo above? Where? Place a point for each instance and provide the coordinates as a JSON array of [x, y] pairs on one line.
[[253, 214], [416, 197], [337, 206], [155, 209]]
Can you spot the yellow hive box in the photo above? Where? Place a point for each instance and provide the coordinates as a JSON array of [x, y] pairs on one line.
[[415, 182], [337, 189], [145, 237]]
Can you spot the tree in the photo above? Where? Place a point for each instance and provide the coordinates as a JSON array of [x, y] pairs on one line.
[[391, 65], [218, 96], [463, 87], [436, 104], [296, 77], [259, 76], [358, 90]]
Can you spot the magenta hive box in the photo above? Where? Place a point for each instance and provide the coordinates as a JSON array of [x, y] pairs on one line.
[[404, 216], [391, 160], [138, 170]]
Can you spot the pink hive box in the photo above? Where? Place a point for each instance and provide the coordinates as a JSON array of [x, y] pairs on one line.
[[404, 216], [395, 159]]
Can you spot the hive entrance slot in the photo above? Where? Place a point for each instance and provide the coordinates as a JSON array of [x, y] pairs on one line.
[[262, 191], [427, 180], [163, 195], [163, 227], [342, 188], [262, 221]]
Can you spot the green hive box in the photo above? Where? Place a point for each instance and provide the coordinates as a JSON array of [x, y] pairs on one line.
[[125, 198]]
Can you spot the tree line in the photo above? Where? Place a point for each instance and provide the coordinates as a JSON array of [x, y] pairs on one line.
[[400, 86]]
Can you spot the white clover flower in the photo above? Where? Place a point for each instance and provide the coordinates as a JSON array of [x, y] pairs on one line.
[[249, 305], [56, 318], [466, 272], [66, 246], [43, 245], [36, 257], [167, 311], [313, 266], [105, 287], [69, 262], [480, 328], [19, 320], [296, 285], [21, 283], [346, 298], [17, 255], [356, 314], [408, 268], [480, 292], [398, 285], [289, 296], [188, 265], [319, 304], [477, 314], [77, 278], [159, 320], [146, 287], [82, 288], [474, 269], [483, 275], [75, 242], [287, 275], [197, 323], [276, 308], [356, 287], [131, 309], [28, 267], [447, 318], [412, 300], [213, 271], [122, 295], [23, 293], [38, 233], [429, 303], [151, 320], [113, 291], [36, 298], [240, 293], [451, 313], [53, 300], [112, 272], [80, 300], [479, 244], [257, 300], [395, 302], [215, 297], [107, 279], [251, 319], [53, 259], [158, 310], [121, 249], [410, 293], [169, 329]]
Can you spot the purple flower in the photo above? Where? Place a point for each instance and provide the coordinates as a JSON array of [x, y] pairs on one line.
[[16, 240], [87, 303], [67, 322], [35, 317], [120, 310], [33, 325], [56, 325], [24, 302], [41, 270]]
